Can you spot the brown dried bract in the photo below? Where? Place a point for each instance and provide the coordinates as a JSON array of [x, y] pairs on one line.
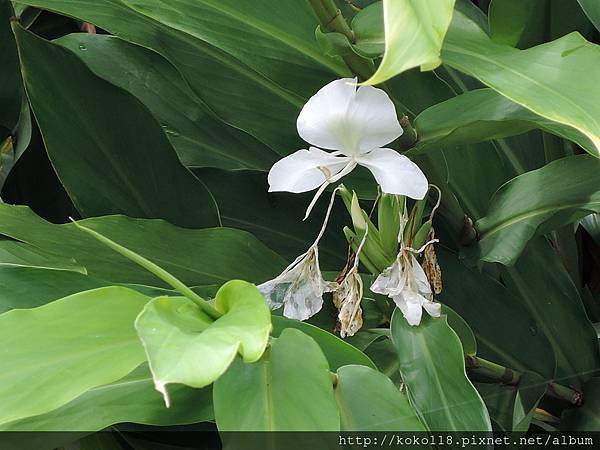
[[431, 266]]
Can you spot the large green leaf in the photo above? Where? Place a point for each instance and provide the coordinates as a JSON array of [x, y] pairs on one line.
[[30, 287], [554, 80], [414, 32], [196, 257], [338, 352], [433, 368], [131, 399], [242, 95], [493, 312], [534, 203], [147, 178], [185, 346], [369, 401], [592, 10], [18, 254], [483, 115], [199, 137], [289, 389], [52, 354], [276, 218], [10, 79], [547, 291], [524, 24]]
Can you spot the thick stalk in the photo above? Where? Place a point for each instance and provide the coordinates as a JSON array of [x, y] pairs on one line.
[[331, 19], [511, 377]]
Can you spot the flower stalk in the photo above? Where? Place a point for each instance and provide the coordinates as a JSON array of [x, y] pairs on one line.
[[505, 375]]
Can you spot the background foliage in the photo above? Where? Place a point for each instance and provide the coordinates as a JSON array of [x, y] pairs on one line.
[[154, 123]]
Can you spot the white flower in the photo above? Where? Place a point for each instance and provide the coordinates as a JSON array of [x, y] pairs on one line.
[[405, 282], [356, 124], [299, 288], [347, 300]]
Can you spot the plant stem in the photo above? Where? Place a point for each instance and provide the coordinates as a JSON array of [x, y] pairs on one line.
[[512, 377]]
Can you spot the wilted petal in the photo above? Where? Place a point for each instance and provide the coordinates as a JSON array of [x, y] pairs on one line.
[[433, 309], [419, 280], [391, 281], [339, 117], [395, 173], [304, 170], [409, 303], [299, 288], [347, 298]]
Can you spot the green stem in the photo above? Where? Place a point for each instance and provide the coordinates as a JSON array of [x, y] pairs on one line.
[[511, 377]]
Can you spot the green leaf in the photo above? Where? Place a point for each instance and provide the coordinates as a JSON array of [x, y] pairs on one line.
[[537, 202], [289, 389], [18, 254], [10, 78], [249, 61], [184, 345], [147, 178], [199, 137], [506, 331], [591, 224], [131, 399], [483, 115], [462, 330], [196, 257], [433, 369], [512, 407], [592, 10], [66, 347], [276, 217], [586, 417], [338, 352], [554, 80], [540, 274], [369, 401], [414, 32]]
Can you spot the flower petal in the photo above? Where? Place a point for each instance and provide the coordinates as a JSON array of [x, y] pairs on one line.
[[372, 121], [410, 305], [322, 119], [433, 309], [304, 170], [395, 173]]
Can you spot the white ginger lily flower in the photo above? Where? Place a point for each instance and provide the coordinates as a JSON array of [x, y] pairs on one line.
[[299, 288], [406, 283], [356, 124]]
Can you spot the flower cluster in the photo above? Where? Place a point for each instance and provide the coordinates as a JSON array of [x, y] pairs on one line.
[[355, 124]]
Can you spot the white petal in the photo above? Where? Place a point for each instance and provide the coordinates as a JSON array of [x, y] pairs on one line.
[[322, 119], [419, 278], [304, 170], [410, 307], [372, 119], [433, 309], [395, 173]]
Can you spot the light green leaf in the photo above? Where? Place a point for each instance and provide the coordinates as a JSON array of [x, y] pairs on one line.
[[338, 352], [131, 399], [536, 202], [433, 369], [147, 179], [555, 80], [414, 32], [196, 257], [369, 401], [462, 330], [483, 115], [18, 254], [52, 354], [289, 389], [184, 345], [198, 136]]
